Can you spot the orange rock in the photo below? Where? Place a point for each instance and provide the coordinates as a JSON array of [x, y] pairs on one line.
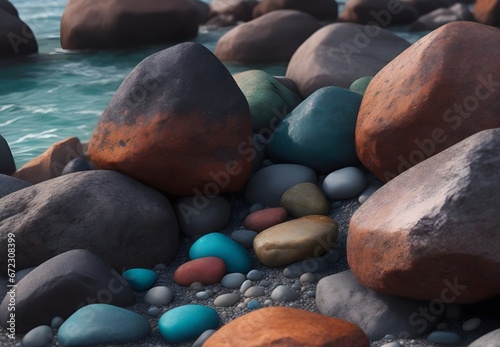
[[208, 270], [287, 327], [263, 219], [441, 90], [51, 163], [487, 12]]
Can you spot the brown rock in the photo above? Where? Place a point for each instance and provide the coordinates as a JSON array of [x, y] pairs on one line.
[[320, 9], [487, 12], [263, 219], [50, 164], [240, 9], [272, 38], [208, 270], [287, 327], [432, 232], [378, 12], [442, 16], [442, 89]]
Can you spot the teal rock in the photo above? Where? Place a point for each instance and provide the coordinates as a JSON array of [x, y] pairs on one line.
[[220, 246], [140, 279], [444, 337], [97, 324], [38, 337], [319, 133], [269, 100], [360, 85], [188, 322]]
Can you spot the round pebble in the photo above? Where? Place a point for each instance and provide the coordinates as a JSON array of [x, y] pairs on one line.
[[444, 337], [233, 280], [160, 295], [244, 237], [345, 183], [389, 337], [202, 295], [245, 285], [254, 275], [226, 300], [307, 278], [196, 286], [311, 294], [254, 292], [266, 283], [154, 311], [266, 218], [56, 322], [305, 199], [360, 85], [391, 344], [203, 337], [253, 304], [268, 302], [471, 324], [284, 294], [206, 270], [140, 279], [255, 207], [38, 337]]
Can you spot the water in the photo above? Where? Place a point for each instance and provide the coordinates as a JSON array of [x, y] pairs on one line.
[[59, 94]]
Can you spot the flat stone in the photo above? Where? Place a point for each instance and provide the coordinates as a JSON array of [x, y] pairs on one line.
[[255, 275], [263, 219], [245, 285], [471, 324], [255, 291], [305, 199], [226, 300], [444, 337], [345, 183], [233, 280], [205, 270], [284, 294]]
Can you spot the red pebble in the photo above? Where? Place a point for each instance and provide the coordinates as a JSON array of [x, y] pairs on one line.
[[263, 219], [208, 270]]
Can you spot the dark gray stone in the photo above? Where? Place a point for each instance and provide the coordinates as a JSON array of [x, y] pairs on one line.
[[9, 184], [76, 165], [442, 16], [16, 39], [7, 165]]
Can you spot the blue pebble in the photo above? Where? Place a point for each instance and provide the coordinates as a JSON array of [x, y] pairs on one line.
[[188, 322], [140, 279], [219, 245], [97, 324], [38, 337], [254, 275], [253, 304], [56, 322], [154, 311], [444, 337]]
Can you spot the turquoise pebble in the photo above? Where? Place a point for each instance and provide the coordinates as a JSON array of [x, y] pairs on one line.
[[56, 322], [444, 337], [154, 311], [185, 323], [219, 245], [97, 324], [140, 279], [253, 304], [38, 337]]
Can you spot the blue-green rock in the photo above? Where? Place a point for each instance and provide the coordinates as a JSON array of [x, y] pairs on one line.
[[140, 279], [319, 133], [220, 246], [360, 85], [101, 324], [269, 100], [185, 323]]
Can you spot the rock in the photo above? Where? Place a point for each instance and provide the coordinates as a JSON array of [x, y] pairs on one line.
[[268, 184], [16, 40], [378, 12], [491, 339], [340, 53], [221, 21], [205, 270], [266, 218], [140, 279], [288, 83], [307, 278], [56, 322], [487, 12], [203, 337], [433, 108], [187, 322], [199, 215], [253, 304], [245, 286], [269, 100], [442, 16], [99, 324], [471, 324], [360, 85], [368, 192], [244, 237], [272, 38], [122, 221], [319, 133], [255, 275], [295, 240], [218, 245], [189, 127], [444, 337], [160, 296], [345, 183], [233, 280], [240, 9], [304, 199], [254, 291], [226, 300], [38, 337], [342, 296], [290, 327], [423, 220], [426, 6], [7, 165], [61, 285], [51, 163], [320, 9], [77, 165], [202, 11], [115, 24], [284, 294], [9, 184]]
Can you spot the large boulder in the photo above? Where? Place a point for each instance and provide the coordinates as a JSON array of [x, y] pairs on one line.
[[442, 89], [340, 53], [179, 123], [487, 12], [272, 38], [126, 23], [122, 221], [7, 164], [16, 37], [240, 9], [426, 233], [320, 9], [442, 16], [378, 12]]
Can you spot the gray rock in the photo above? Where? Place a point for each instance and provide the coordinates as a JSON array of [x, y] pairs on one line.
[[345, 183], [255, 207], [63, 284], [233, 280], [245, 285], [254, 275], [56, 322], [368, 192], [244, 237], [153, 311], [203, 337], [38, 337], [491, 339], [7, 165], [471, 324], [299, 268], [267, 185], [226, 300], [284, 294], [307, 278], [9, 184], [442, 16], [159, 296], [202, 295], [254, 291], [77, 165], [199, 217], [342, 296], [121, 220]]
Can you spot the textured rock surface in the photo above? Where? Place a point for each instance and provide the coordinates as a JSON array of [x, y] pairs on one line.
[[16, 38], [9, 184], [320, 9]]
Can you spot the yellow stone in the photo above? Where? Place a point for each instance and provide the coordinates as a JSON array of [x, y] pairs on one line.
[[305, 199]]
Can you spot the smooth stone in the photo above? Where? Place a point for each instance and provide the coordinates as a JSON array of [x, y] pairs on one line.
[[311, 294], [205, 270], [202, 295], [20, 274], [56, 322], [443, 337], [244, 237], [153, 311], [140, 279], [253, 304], [305, 199], [255, 207], [7, 164], [326, 10], [298, 239], [77, 165], [360, 85], [102, 324], [368, 192], [187, 322], [9, 184], [284, 294], [226, 300], [371, 13], [38, 337], [241, 10], [345, 183], [391, 344], [219, 245], [268, 184], [492, 339], [245, 285], [255, 275], [441, 16], [254, 291], [263, 219], [233, 280], [299, 268], [307, 278], [160, 296], [471, 324], [203, 337]]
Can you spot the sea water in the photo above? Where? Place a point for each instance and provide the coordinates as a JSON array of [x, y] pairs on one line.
[[57, 93]]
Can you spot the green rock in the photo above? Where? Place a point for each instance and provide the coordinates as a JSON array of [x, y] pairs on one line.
[[269, 100], [360, 85], [319, 133], [305, 199]]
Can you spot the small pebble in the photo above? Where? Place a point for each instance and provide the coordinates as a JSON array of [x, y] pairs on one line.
[[244, 237], [202, 295], [254, 275], [345, 183], [254, 292], [245, 285], [368, 192], [444, 337], [307, 278], [296, 286], [471, 324], [38, 337], [56, 322], [241, 305], [284, 294], [391, 344], [203, 337], [154, 311], [389, 337], [160, 296], [226, 300], [311, 294], [266, 283], [140, 279], [255, 207], [253, 304], [268, 302], [233, 280], [196, 286]]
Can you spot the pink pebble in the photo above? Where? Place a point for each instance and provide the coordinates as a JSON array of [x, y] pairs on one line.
[[263, 219]]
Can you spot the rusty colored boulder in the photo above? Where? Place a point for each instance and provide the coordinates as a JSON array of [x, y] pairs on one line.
[[319, 9], [487, 12], [378, 12], [178, 123], [441, 90], [285, 327]]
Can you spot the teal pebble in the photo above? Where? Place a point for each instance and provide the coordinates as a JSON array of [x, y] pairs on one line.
[[56, 322], [253, 304], [444, 337], [185, 323], [140, 279], [97, 324], [221, 246], [38, 337], [360, 85]]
